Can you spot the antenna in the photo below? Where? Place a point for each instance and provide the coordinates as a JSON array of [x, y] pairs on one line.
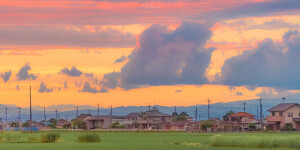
[[149, 107], [244, 107], [283, 99]]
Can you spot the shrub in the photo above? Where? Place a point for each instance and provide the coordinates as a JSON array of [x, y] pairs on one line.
[[32, 139], [50, 137], [13, 138], [252, 127], [205, 125], [89, 137], [255, 141]]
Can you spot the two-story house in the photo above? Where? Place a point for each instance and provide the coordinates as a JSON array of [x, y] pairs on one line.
[[284, 114], [241, 120], [154, 119]]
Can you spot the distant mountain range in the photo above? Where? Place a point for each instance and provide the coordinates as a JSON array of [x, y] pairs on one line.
[[69, 111]]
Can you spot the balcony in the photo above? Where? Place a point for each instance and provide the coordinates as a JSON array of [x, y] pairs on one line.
[[275, 118]]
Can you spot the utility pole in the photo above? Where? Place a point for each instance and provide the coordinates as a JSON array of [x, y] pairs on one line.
[[45, 118], [6, 114], [77, 111], [66, 117], [196, 114], [149, 107], [257, 113], [19, 115], [111, 115], [56, 114], [20, 121], [89, 111], [175, 109], [30, 111], [208, 101], [261, 118], [98, 110]]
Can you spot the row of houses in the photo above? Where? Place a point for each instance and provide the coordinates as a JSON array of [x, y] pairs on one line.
[[282, 116]]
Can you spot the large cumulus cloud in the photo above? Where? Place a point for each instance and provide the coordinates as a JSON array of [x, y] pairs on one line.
[[165, 57], [271, 64], [24, 74]]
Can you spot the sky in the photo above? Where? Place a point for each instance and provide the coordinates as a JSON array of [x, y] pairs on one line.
[[143, 52]]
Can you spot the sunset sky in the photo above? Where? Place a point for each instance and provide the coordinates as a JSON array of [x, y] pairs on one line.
[[140, 52]]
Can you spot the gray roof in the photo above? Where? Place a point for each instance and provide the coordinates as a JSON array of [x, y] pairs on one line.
[[283, 106], [296, 119], [156, 113]]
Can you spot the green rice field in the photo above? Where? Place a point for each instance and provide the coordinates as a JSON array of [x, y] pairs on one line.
[[154, 141]]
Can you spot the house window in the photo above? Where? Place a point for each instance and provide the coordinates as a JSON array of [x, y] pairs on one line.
[[290, 114], [273, 113], [280, 113]]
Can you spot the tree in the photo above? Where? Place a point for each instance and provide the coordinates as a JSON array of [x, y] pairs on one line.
[[226, 116], [26, 124], [53, 122], [79, 123], [14, 124], [252, 126], [115, 125], [181, 117], [205, 125]]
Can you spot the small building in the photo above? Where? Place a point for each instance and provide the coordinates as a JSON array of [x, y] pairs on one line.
[[62, 123], [283, 115], [98, 122]]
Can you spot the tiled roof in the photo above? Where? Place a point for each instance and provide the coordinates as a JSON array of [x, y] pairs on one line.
[[283, 106], [156, 113], [241, 114]]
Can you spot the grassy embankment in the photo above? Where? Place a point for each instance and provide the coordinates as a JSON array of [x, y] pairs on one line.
[[146, 141]]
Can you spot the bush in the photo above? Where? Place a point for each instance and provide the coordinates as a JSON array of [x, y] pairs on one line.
[[255, 141], [50, 137], [32, 139], [13, 138], [89, 137], [252, 127]]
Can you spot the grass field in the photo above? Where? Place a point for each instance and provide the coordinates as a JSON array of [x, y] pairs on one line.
[[137, 141]]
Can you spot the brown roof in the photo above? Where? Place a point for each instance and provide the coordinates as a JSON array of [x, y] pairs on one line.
[[241, 114], [283, 106], [133, 115]]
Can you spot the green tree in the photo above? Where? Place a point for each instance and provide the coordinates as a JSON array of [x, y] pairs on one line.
[[226, 116], [205, 125], [79, 123], [115, 125], [252, 126], [53, 123]]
